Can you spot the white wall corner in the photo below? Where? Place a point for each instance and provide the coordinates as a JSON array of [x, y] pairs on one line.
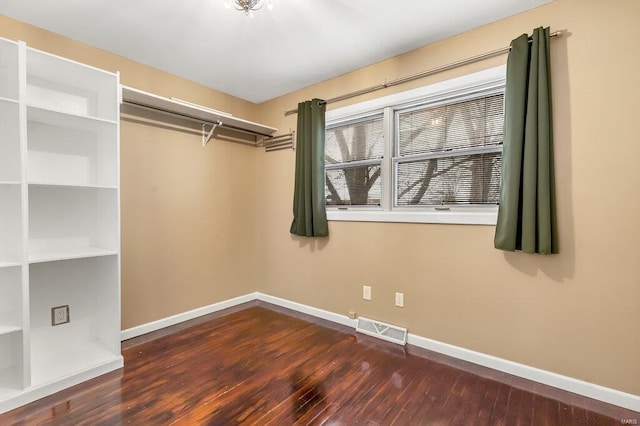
[[185, 316], [305, 309]]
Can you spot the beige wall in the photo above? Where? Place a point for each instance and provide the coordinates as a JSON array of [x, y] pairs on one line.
[[577, 313], [187, 211], [204, 225]]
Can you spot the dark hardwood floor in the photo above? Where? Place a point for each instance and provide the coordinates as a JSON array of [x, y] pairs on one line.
[[260, 364]]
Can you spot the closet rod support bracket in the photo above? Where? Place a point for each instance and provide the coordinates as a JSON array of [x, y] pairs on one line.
[[206, 137]]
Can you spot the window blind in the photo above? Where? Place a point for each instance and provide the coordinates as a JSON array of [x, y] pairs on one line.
[[450, 154], [353, 156], [361, 140]]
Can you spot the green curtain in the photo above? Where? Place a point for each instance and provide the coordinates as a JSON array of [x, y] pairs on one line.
[[527, 212], [309, 213]]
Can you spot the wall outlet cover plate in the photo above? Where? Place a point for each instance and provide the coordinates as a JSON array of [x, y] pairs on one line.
[[60, 315]]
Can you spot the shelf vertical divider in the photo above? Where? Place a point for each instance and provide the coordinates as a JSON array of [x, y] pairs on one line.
[[24, 188]]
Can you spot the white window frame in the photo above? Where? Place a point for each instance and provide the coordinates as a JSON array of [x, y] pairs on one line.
[[481, 81]]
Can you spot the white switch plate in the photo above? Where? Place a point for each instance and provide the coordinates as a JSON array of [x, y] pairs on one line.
[[366, 292]]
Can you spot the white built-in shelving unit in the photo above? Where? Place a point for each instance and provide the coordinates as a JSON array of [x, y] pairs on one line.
[[59, 223]]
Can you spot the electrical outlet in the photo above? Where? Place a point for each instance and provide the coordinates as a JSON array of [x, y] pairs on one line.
[[352, 315], [60, 315], [366, 292], [400, 300]]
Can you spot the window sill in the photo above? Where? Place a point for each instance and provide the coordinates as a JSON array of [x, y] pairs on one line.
[[480, 216]]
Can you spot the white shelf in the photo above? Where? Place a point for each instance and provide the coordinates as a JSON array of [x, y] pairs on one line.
[[65, 185], [64, 119], [68, 254], [7, 329], [140, 98], [9, 262], [9, 182], [9, 101]]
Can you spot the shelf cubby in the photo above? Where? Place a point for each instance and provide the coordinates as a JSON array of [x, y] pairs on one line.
[[72, 222], [71, 150], [90, 288], [11, 364], [9, 69], [10, 299], [10, 226], [62, 85], [9, 141]]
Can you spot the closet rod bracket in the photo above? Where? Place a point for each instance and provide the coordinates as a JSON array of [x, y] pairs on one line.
[[206, 137]]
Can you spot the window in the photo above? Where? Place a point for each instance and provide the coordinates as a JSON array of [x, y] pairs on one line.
[[428, 155], [353, 161]]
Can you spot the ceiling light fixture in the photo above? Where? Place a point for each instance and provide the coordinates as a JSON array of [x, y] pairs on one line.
[[248, 6]]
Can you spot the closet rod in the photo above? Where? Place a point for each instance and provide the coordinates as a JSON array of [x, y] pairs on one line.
[[193, 119], [419, 75]]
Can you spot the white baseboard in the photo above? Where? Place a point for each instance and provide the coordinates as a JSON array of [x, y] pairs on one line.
[[590, 390], [309, 310], [185, 316], [570, 384]]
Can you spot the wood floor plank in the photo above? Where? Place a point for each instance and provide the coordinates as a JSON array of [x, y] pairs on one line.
[[472, 394], [525, 413], [499, 409], [425, 397], [486, 406], [266, 366]]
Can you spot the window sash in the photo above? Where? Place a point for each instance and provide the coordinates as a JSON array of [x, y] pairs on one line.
[[463, 133], [451, 185], [360, 181], [364, 128], [351, 181], [429, 105]]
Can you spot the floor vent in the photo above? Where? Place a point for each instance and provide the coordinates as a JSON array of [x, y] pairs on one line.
[[390, 333]]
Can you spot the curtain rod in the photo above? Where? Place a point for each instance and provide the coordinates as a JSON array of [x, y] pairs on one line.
[[419, 75]]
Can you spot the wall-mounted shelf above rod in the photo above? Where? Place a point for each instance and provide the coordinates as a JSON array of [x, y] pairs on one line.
[[276, 143], [193, 112]]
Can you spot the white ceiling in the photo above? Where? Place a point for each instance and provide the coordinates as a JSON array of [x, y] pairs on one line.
[[279, 50]]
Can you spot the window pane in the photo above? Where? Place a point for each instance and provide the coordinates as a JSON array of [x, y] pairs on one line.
[[468, 179], [467, 124], [362, 140], [354, 186]]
